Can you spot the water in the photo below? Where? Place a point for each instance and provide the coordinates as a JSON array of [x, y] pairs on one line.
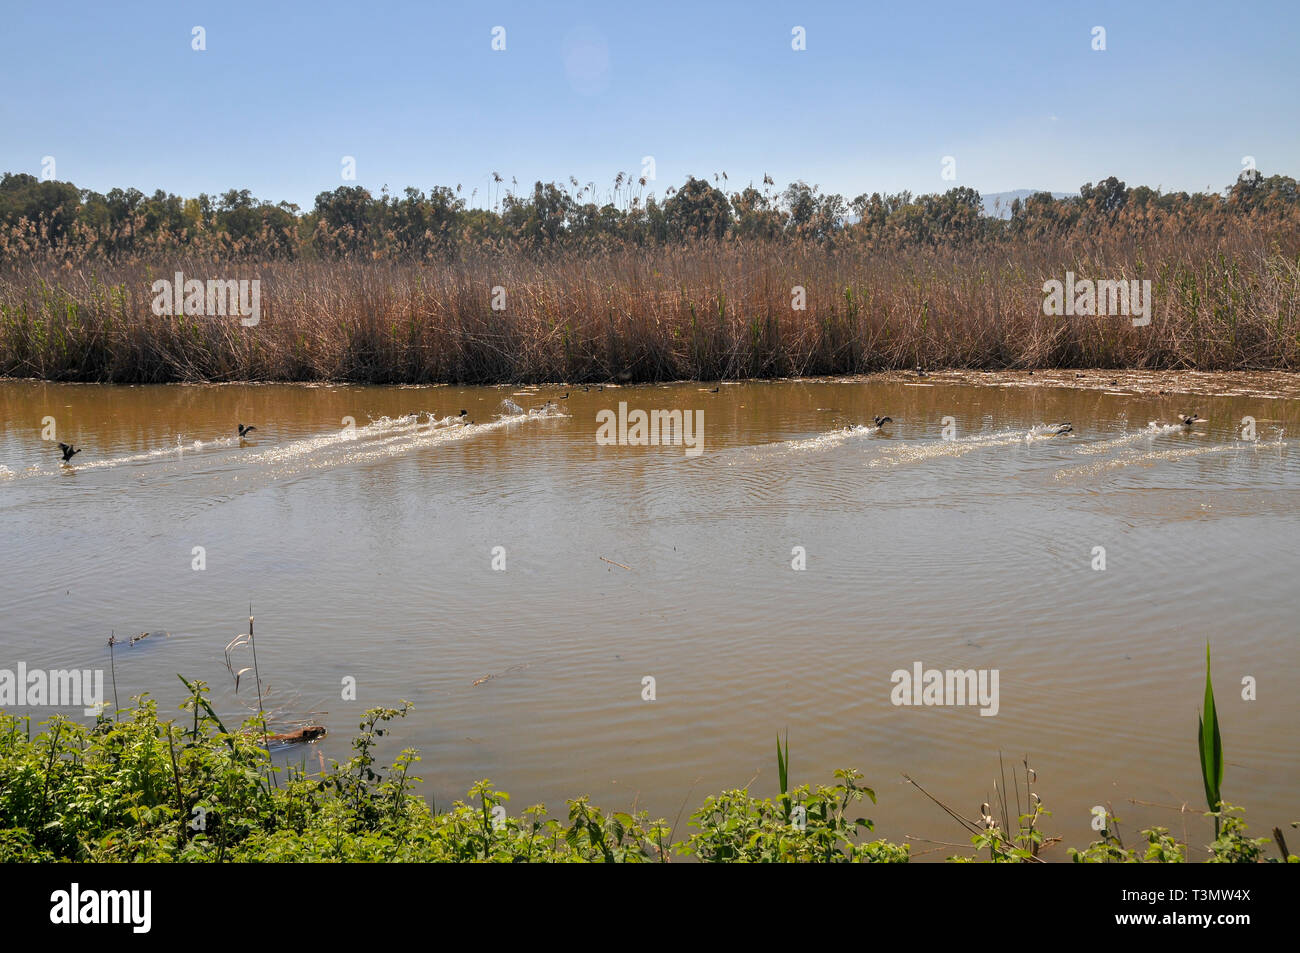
[[367, 553]]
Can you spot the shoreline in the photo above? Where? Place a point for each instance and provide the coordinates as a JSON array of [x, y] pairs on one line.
[[1259, 384]]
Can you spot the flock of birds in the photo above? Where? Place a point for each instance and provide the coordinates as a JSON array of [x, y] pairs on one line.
[[69, 451], [1065, 427]]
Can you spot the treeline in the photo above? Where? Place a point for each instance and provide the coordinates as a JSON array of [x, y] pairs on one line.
[[49, 219]]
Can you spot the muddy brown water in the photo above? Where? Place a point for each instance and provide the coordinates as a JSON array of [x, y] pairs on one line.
[[367, 550]]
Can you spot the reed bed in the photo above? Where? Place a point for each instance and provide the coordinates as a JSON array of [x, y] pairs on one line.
[[700, 310]]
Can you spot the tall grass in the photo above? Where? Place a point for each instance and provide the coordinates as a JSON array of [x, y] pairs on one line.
[[695, 311]]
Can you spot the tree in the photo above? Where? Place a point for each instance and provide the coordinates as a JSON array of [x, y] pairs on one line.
[[697, 210]]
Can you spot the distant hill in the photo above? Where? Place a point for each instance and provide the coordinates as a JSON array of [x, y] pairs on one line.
[[998, 204]]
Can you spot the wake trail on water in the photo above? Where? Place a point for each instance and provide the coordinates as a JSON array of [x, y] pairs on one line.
[[1137, 458], [1153, 429], [385, 438], [960, 446], [176, 451], [380, 438]]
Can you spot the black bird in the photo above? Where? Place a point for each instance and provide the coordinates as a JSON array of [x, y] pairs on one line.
[[714, 390], [68, 451], [920, 372], [1063, 428], [246, 429], [464, 412], [881, 421], [585, 388], [1193, 419]]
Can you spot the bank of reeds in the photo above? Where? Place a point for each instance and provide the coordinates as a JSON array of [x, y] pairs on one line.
[[694, 311]]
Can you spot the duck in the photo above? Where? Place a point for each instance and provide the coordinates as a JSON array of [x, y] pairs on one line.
[[69, 451], [246, 429], [1194, 418], [921, 372], [714, 390], [881, 421], [1063, 429]]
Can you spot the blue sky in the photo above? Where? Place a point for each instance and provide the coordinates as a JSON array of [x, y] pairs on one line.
[[414, 91]]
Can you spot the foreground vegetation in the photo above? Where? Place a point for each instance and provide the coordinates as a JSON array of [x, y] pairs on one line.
[[627, 288], [145, 789]]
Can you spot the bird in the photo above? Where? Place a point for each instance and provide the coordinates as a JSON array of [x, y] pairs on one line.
[[714, 390], [1195, 418], [881, 421], [585, 388], [920, 372], [246, 429], [1063, 428], [564, 396], [68, 451]]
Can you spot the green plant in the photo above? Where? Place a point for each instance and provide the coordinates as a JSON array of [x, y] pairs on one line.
[[1210, 746]]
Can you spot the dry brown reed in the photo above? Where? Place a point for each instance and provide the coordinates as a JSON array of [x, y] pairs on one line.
[[697, 311]]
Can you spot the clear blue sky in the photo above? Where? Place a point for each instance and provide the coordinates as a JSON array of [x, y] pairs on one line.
[[415, 93]]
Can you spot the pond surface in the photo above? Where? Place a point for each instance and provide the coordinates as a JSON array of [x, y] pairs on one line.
[[367, 549]]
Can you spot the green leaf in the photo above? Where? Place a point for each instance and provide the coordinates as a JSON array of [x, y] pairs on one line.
[[782, 770], [1210, 744]]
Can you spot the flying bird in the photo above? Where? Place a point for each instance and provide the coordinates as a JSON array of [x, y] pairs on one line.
[[68, 451], [1063, 429], [1195, 418], [246, 429], [881, 421]]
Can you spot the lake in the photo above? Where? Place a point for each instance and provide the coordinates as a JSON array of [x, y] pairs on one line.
[[519, 580]]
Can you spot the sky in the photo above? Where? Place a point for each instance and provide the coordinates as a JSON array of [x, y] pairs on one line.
[[415, 93]]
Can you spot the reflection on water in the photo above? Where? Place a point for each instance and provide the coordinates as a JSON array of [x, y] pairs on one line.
[[363, 525]]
